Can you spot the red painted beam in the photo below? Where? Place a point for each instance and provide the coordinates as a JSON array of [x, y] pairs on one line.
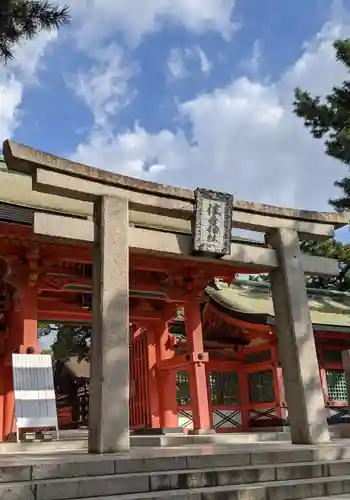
[[56, 315], [52, 254], [8, 229], [182, 360], [50, 309]]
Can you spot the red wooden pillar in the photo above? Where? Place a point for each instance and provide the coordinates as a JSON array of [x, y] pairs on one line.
[[153, 377], [198, 375], [244, 396], [23, 334], [323, 375], [279, 394], [2, 396], [281, 410], [9, 399], [166, 380]]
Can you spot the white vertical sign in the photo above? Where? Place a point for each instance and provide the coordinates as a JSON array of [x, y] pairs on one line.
[[35, 401]]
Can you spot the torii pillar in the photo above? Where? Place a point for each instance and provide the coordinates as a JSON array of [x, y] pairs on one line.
[[296, 343], [109, 380]]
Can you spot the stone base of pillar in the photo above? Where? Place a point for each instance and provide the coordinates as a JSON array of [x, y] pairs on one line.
[[160, 431], [319, 435], [201, 432]]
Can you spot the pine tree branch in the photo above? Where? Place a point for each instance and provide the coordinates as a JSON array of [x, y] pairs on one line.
[[24, 19], [329, 118]]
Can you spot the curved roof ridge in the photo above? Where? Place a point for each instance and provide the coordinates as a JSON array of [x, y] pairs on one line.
[[252, 303], [310, 290]]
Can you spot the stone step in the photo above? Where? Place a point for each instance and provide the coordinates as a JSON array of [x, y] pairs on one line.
[[90, 465], [333, 497], [308, 489], [182, 480], [77, 440], [336, 431]]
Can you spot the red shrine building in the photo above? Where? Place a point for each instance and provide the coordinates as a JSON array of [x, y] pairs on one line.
[[191, 368], [244, 377]]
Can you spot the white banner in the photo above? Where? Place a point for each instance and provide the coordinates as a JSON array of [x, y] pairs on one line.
[[35, 401]]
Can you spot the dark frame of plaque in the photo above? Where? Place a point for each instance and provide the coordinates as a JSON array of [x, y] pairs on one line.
[[225, 199]]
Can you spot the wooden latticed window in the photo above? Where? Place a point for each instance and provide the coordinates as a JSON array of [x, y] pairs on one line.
[[183, 388], [336, 385], [261, 387], [224, 388]]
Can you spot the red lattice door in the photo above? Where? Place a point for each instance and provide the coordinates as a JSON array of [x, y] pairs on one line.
[[140, 414]]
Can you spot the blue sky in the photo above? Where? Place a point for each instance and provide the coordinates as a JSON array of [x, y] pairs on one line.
[[196, 93]]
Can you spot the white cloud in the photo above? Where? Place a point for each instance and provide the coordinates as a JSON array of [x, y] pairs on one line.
[[245, 138], [180, 62], [10, 99], [254, 63], [100, 19], [177, 64], [205, 65], [105, 87], [139, 153], [29, 56], [15, 76]]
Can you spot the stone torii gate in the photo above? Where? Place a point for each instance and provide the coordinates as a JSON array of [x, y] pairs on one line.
[[145, 217]]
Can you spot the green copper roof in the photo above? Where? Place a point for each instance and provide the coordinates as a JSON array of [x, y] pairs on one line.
[[252, 303]]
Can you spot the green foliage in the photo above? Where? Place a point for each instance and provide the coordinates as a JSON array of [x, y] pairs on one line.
[[335, 250], [44, 329], [24, 19], [72, 341], [329, 118], [46, 351]]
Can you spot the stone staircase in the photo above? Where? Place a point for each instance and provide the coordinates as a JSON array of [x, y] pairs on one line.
[[276, 474]]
